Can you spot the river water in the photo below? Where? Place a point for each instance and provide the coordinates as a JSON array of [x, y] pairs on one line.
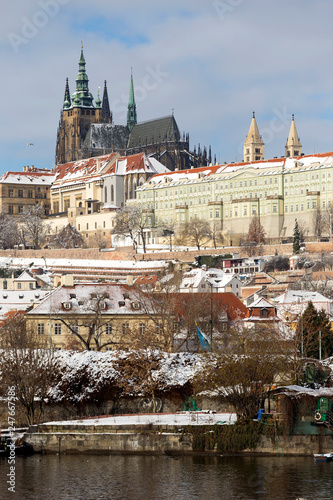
[[119, 477]]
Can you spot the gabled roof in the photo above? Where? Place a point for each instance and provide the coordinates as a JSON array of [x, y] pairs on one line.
[[25, 276], [153, 131], [79, 171], [139, 163], [261, 303], [292, 296]]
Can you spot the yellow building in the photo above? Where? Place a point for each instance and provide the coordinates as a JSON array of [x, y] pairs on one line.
[[101, 316], [21, 190]]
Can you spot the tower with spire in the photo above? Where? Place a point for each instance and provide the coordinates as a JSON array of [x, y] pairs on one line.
[[106, 113], [293, 144], [77, 114], [131, 110], [254, 147]]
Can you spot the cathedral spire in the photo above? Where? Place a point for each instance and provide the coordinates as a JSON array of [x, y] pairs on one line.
[[106, 114], [131, 112], [82, 96], [67, 97], [293, 144]]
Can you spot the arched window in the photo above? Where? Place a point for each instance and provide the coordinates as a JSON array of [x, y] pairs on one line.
[[112, 193], [134, 189], [5, 284], [105, 194]]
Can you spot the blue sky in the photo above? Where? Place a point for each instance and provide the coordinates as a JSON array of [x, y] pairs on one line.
[[212, 62]]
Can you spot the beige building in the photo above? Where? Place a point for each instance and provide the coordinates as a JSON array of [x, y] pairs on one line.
[[87, 193], [21, 190], [116, 315]]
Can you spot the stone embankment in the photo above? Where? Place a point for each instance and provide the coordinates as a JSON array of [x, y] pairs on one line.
[[155, 438]]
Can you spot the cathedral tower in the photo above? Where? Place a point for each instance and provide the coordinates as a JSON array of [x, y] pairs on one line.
[[293, 144], [254, 147], [77, 114]]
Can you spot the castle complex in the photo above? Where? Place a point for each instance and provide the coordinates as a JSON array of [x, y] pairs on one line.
[[101, 166], [87, 130]]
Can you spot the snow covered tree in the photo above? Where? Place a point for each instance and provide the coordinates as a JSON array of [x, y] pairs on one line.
[[68, 237], [309, 325], [33, 228], [138, 374], [296, 239], [9, 234], [30, 368], [132, 221]]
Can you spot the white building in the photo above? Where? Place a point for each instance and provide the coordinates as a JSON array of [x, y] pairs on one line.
[[210, 280]]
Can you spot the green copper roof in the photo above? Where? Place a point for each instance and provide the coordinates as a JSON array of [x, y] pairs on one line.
[[131, 111], [82, 96]]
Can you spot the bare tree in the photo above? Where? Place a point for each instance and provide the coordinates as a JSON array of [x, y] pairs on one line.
[[68, 237], [216, 234], [196, 232], [132, 221], [99, 240], [256, 236], [91, 329], [33, 228], [242, 374]]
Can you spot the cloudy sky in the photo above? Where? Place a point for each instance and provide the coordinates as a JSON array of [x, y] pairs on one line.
[[213, 62]]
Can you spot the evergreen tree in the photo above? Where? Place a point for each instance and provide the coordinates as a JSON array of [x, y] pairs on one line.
[[296, 239], [309, 325]]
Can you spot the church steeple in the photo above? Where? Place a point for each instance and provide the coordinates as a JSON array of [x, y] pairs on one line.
[[82, 96], [131, 112], [67, 96], [254, 147], [106, 114], [293, 144]]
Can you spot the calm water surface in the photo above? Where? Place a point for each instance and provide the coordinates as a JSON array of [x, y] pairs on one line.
[[76, 477]]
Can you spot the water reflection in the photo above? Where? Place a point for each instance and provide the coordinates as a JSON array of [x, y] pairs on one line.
[[145, 477]]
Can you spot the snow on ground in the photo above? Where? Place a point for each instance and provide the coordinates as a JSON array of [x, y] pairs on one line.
[[78, 263], [182, 418]]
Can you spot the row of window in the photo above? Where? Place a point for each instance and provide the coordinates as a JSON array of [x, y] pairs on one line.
[[75, 328]]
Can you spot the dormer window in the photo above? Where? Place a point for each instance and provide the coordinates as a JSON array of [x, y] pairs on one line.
[[67, 305]]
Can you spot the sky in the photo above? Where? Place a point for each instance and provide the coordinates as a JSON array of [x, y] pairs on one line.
[[212, 62]]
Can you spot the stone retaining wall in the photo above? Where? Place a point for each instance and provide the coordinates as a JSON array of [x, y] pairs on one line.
[[145, 441]]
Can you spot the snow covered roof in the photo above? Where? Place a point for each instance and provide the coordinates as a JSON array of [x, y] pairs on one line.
[[18, 300], [292, 296], [263, 167], [81, 170], [299, 391], [25, 277], [81, 299], [28, 178], [261, 303]]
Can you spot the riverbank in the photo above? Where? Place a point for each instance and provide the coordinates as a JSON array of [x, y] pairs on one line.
[[160, 434]]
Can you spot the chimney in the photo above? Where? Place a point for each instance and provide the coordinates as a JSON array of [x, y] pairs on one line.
[[98, 163], [129, 280]]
